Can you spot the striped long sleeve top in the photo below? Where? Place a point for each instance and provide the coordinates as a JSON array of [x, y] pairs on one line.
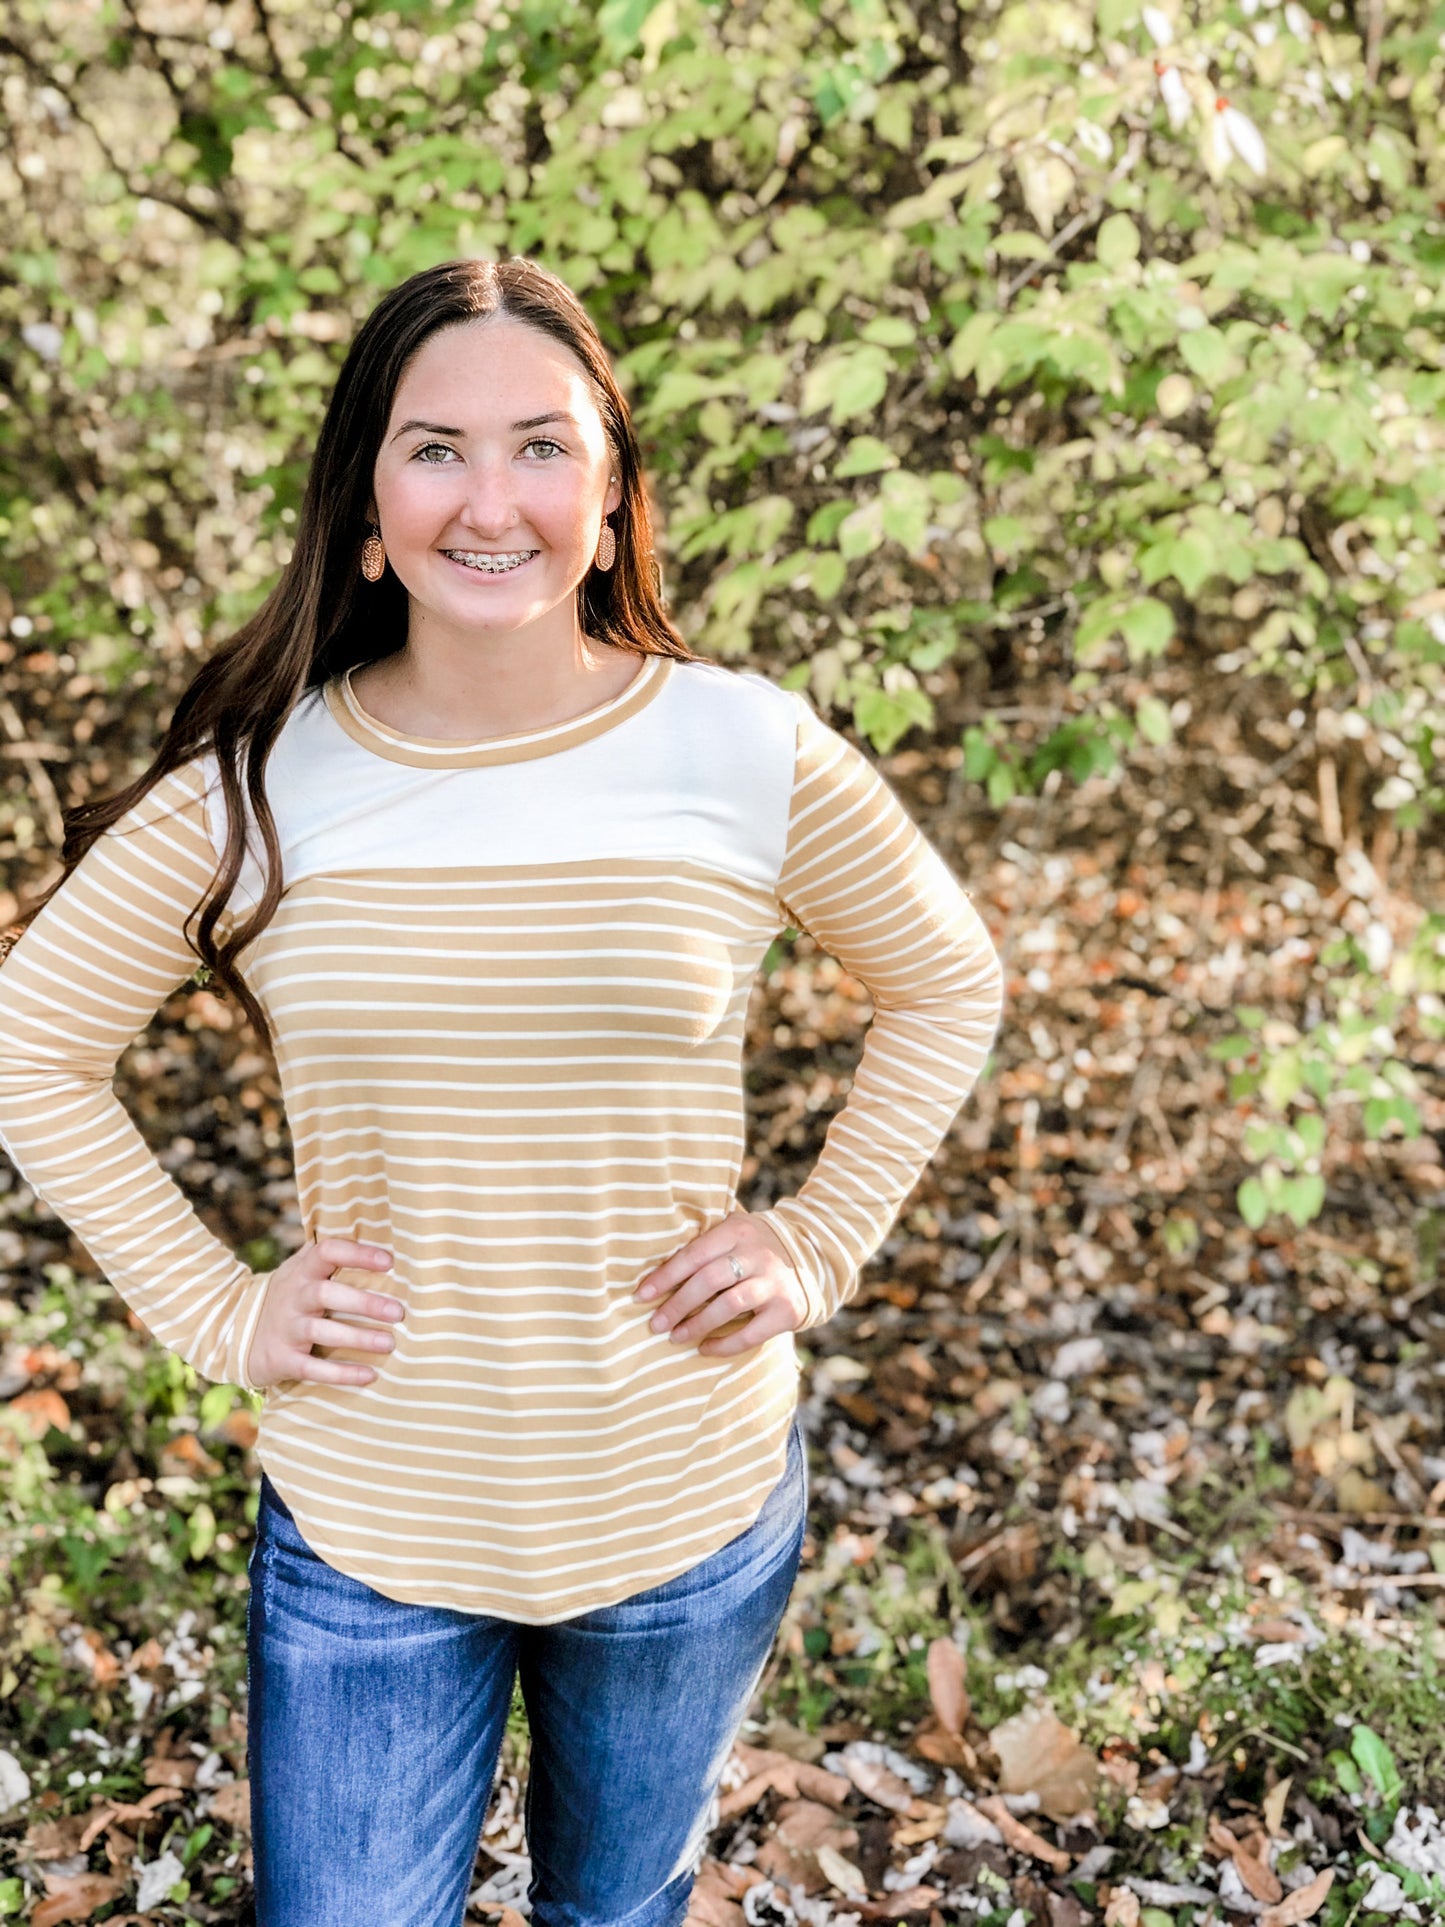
[[507, 985]]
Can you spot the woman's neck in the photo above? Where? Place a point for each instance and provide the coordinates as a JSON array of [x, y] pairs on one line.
[[490, 691]]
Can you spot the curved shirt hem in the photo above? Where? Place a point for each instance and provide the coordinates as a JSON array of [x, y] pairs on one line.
[[504, 1605]]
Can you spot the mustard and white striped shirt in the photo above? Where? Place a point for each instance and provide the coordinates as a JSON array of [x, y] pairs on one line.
[[507, 984]]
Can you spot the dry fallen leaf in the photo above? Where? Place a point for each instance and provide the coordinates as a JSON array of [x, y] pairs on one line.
[[1273, 1805], [912, 1900], [795, 1777], [783, 1737], [1038, 1754], [741, 1799], [786, 1867], [875, 1782], [816, 1783], [841, 1874], [92, 1649], [232, 1803], [109, 1812], [946, 1687], [927, 1826], [1119, 1768], [717, 1891], [160, 1771], [55, 1839], [240, 1427], [1277, 1631], [808, 1824], [40, 1410], [1248, 1856], [185, 1454], [940, 1748], [1303, 1904], [708, 1907], [73, 1897], [1021, 1838], [1123, 1908]]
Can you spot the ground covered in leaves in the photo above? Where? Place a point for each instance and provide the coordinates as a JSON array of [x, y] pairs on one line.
[[1122, 1596]]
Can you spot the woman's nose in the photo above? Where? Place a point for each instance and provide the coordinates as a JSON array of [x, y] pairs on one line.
[[489, 501]]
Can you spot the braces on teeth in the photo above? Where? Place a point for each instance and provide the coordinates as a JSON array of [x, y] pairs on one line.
[[491, 568]]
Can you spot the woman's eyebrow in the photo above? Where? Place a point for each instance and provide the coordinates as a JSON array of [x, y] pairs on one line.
[[459, 434]]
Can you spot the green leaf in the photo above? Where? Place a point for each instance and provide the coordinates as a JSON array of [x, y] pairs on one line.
[[829, 573], [1209, 355], [979, 753], [884, 718], [906, 509], [1393, 158], [1252, 1202], [1283, 1080], [620, 23], [1117, 242], [891, 330], [201, 1530], [1303, 1197], [1224, 1048], [862, 532], [968, 343], [1311, 1129], [1381, 1111], [1022, 245], [847, 381], [1152, 717], [1375, 1759], [823, 522], [1148, 627], [864, 455], [1002, 785], [216, 1403], [1005, 535], [893, 120], [1191, 561]]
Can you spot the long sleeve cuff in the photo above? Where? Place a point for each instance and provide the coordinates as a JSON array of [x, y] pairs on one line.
[[803, 1260]]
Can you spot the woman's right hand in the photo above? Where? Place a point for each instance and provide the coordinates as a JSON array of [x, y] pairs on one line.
[[299, 1294]]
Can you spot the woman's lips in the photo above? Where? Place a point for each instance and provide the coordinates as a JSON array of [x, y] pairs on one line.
[[490, 575]]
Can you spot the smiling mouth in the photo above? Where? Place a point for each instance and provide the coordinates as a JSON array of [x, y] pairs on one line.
[[497, 563]]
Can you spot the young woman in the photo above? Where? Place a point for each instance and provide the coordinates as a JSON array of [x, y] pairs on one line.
[[493, 860]]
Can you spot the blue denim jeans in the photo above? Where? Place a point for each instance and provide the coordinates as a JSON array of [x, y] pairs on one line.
[[375, 1728]]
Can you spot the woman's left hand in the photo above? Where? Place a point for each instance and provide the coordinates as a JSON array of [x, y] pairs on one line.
[[707, 1293]]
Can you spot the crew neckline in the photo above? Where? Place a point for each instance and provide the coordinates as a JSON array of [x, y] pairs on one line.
[[447, 752]]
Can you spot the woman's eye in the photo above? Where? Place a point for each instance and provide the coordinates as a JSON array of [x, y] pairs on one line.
[[423, 454]]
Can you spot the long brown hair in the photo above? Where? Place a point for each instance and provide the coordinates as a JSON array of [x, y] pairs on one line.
[[323, 617]]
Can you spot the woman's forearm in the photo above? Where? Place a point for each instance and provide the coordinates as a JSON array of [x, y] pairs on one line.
[[84, 978]]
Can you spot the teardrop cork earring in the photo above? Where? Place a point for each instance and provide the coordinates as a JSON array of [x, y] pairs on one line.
[[606, 547], [373, 556]]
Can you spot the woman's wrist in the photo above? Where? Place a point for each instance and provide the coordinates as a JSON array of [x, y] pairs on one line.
[[801, 1258]]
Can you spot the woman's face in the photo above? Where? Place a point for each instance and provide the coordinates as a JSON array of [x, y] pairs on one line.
[[494, 450]]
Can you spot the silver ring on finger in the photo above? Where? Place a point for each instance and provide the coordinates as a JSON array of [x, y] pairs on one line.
[[740, 1271]]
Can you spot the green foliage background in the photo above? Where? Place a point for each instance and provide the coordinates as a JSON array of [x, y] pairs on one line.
[[1035, 382], [1018, 357]]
